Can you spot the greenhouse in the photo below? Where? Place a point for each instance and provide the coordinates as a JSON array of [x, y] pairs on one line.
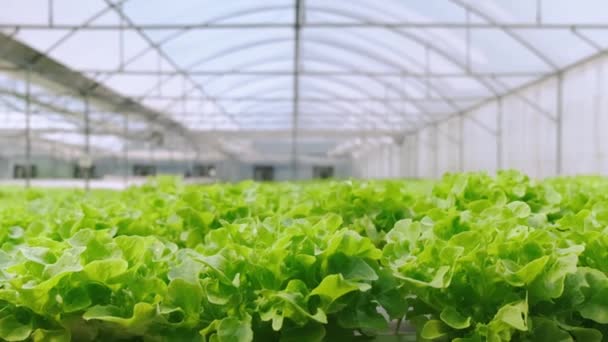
[[303, 170]]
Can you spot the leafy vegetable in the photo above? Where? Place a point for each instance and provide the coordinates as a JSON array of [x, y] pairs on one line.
[[468, 258]]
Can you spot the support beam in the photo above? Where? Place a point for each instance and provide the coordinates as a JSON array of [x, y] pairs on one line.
[[508, 31], [499, 134], [277, 113], [50, 71], [324, 99], [87, 165], [416, 174], [532, 103], [515, 91], [156, 47], [341, 25], [265, 73], [461, 118], [436, 151], [559, 124], [125, 148], [70, 116], [298, 13], [28, 143], [593, 44]]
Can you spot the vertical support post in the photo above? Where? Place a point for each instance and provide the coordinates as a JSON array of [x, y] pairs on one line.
[[558, 124], [436, 150], [597, 114], [403, 155], [159, 67], [402, 95], [499, 136], [391, 161], [468, 40], [125, 147], [151, 155], [386, 104], [461, 142], [51, 13], [121, 40], [298, 12], [88, 164], [28, 138], [417, 154], [427, 71], [54, 159]]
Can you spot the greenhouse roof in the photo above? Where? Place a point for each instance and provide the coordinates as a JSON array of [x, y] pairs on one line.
[[221, 74]]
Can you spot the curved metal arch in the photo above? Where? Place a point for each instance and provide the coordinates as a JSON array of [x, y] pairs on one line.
[[238, 48], [406, 35], [348, 49], [350, 86], [265, 105], [391, 86], [247, 45], [430, 46], [412, 37], [315, 107], [362, 115], [344, 47], [399, 91], [270, 91], [342, 13], [162, 53], [217, 19], [240, 67], [244, 83], [72, 32], [228, 51], [318, 58], [377, 79], [409, 36], [509, 32], [373, 119], [361, 90], [343, 106]]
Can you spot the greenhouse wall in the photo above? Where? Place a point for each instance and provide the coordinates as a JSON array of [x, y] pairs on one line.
[[47, 167], [529, 129]]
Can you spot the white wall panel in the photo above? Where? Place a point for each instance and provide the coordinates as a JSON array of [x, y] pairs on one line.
[[448, 147], [426, 152], [519, 131], [479, 139], [409, 156], [528, 121], [585, 119]]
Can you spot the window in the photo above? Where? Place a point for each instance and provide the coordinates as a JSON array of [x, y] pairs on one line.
[[203, 170], [322, 172], [20, 171], [263, 173], [144, 170], [83, 171]]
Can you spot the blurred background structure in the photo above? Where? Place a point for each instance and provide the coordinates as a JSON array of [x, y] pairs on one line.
[[94, 90]]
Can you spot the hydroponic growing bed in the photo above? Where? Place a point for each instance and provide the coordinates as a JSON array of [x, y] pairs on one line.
[[469, 258]]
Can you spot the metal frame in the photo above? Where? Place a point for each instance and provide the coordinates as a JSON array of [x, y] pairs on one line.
[[365, 106], [340, 25]]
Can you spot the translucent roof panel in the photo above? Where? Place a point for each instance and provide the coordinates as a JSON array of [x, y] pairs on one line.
[[360, 65], [209, 11]]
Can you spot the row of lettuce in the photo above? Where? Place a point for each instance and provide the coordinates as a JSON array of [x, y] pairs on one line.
[[468, 258]]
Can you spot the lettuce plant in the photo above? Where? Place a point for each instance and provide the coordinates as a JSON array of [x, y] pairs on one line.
[[467, 258]]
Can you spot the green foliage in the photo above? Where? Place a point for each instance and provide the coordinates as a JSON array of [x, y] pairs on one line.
[[468, 258]]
